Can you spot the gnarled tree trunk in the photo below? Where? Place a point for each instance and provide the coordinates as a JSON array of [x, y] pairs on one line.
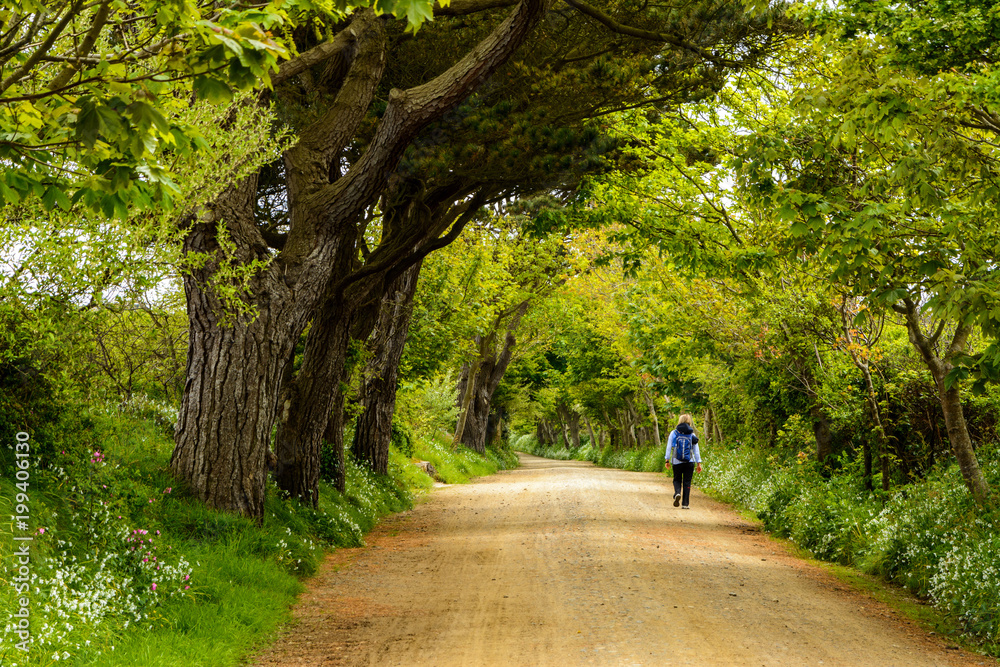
[[373, 430], [307, 403], [483, 384], [234, 369]]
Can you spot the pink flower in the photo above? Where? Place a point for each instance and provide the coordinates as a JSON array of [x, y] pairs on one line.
[[168, 489], [153, 587], [41, 531], [186, 587]]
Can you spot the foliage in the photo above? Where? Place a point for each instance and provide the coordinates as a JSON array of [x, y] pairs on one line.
[[649, 459], [929, 536], [127, 568], [91, 95]]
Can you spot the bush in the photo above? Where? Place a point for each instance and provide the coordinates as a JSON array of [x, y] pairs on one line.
[[929, 536]]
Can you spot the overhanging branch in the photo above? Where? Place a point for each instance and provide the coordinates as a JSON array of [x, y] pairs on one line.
[[649, 35]]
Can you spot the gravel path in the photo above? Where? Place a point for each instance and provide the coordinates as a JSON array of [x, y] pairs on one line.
[[564, 563]]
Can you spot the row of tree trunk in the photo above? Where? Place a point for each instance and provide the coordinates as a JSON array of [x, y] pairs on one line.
[[625, 427]]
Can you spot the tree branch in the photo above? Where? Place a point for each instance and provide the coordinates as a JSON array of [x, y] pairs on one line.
[[649, 35], [466, 7], [316, 55]]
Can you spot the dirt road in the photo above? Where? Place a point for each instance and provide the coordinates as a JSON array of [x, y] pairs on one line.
[[564, 563]]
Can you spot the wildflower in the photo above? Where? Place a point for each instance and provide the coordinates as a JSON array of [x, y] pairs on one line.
[[153, 587], [168, 489]]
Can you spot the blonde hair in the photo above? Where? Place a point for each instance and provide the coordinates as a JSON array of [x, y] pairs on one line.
[[685, 419]]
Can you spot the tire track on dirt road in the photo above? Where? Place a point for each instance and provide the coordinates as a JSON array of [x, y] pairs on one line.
[[565, 563]]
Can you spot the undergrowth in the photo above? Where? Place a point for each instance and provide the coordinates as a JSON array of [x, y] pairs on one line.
[[649, 459], [127, 569], [929, 536]]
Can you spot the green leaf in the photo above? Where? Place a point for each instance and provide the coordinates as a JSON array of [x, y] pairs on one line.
[[55, 196], [212, 90]]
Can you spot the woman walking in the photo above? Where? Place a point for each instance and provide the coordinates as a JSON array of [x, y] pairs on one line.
[[682, 452]]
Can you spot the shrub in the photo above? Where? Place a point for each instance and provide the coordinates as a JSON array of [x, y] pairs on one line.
[[929, 535], [123, 561]]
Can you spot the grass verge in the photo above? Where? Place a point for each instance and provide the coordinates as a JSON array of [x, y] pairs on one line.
[[127, 569]]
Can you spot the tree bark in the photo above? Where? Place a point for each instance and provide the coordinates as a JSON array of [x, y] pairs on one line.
[[233, 374], [307, 404], [540, 432], [469, 393], [950, 398], [373, 430], [492, 367], [235, 363], [574, 428]]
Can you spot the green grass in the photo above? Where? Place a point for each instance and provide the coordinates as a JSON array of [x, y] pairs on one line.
[[243, 577], [649, 459]]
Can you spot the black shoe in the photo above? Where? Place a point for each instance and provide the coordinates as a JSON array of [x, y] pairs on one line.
[[677, 499], [685, 507]]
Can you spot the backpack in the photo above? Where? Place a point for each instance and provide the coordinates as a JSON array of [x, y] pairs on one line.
[[683, 445]]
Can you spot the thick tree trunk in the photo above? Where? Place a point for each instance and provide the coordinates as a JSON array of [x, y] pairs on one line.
[[495, 426], [492, 367], [474, 434], [633, 424], [467, 392], [307, 404], [373, 430], [229, 403], [574, 429], [550, 434], [950, 398], [333, 438], [228, 408], [540, 434], [235, 364]]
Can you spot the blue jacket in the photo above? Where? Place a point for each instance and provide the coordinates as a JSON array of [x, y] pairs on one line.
[[695, 454]]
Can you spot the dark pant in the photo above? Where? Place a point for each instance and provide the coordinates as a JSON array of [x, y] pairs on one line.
[[683, 472]]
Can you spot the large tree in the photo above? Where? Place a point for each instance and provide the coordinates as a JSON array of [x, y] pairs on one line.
[[316, 270], [888, 180]]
